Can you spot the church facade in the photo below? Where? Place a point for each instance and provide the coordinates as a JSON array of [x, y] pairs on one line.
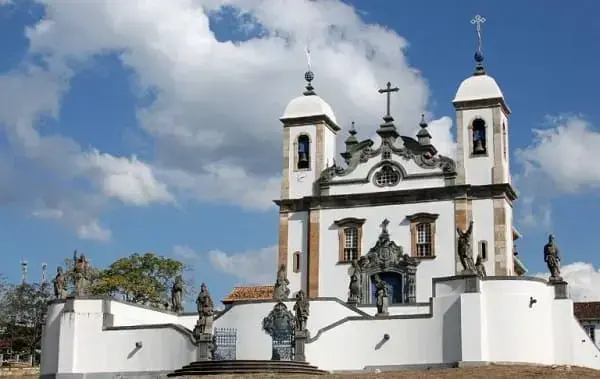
[[332, 215]]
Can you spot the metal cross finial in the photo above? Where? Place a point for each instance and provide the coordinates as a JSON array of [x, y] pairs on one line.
[[307, 51], [388, 90], [477, 21]]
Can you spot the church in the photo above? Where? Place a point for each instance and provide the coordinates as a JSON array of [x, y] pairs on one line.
[[406, 258]]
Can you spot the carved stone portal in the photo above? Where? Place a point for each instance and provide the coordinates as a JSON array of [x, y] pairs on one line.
[[385, 260]]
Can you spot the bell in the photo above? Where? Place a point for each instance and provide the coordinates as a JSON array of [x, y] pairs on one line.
[[303, 157], [478, 148]]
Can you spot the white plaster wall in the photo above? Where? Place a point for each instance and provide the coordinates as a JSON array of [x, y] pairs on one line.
[[50, 337], [362, 171], [355, 344], [483, 230], [297, 241], [333, 277], [397, 310], [516, 331], [478, 170], [584, 352]]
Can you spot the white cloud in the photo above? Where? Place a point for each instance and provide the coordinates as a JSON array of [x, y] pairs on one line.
[[214, 117], [256, 267], [185, 253], [94, 231], [583, 279]]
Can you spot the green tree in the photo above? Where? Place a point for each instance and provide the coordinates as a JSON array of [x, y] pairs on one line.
[[142, 279], [23, 315]]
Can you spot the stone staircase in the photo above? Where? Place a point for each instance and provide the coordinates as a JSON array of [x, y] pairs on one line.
[[246, 367]]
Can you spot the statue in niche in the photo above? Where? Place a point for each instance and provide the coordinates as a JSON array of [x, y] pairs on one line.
[[302, 310], [205, 307], [354, 286], [81, 269], [479, 267], [59, 284], [177, 295], [465, 250], [552, 258], [281, 292], [381, 295]]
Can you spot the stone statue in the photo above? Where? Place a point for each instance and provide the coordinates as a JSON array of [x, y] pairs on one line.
[[354, 286], [281, 292], [479, 267], [59, 284], [552, 258], [465, 250], [302, 310], [177, 295], [205, 311], [80, 273], [381, 295], [212, 348]]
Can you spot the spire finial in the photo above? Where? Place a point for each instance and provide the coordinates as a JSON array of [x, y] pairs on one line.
[[352, 130], [478, 20], [309, 76], [423, 135]]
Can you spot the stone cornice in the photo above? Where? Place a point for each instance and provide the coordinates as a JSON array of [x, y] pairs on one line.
[[311, 120], [484, 103], [411, 196]]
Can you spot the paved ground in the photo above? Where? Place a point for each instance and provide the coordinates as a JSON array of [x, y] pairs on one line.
[[488, 372]]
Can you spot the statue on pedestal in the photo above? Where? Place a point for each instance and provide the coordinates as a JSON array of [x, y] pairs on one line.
[[354, 286], [381, 295], [552, 259], [177, 295], [205, 307], [59, 284], [80, 273], [465, 250], [302, 310], [480, 268], [281, 292]]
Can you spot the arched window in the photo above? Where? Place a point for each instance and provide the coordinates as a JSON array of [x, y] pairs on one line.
[[479, 137], [387, 177], [303, 158], [296, 262]]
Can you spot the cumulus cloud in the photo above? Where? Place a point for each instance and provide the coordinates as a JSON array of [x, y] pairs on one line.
[[185, 253], [214, 103], [561, 160], [255, 267], [583, 279]]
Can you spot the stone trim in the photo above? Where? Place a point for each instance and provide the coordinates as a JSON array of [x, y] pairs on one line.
[[501, 191], [282, 256], [310, 152], [501, 249], [486, 132], [70, 299], [482, 103], [311, 120], [320, 149], [415, 220], [313, 254], [285, 173], [342, 225]]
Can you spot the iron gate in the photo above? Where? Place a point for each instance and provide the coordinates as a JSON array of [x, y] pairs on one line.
[[226, 341]]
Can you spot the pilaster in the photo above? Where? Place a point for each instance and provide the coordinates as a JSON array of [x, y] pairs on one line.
[[313, 253], [283, 238], [462, 217]]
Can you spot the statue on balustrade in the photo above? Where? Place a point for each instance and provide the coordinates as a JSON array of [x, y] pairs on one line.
[[480, 268], [177, 295], [205, 307], [381, 295], [60, 292], [465, 250], [354, 286], [281, 292], [302, 310], [81, 272], [552, 258]]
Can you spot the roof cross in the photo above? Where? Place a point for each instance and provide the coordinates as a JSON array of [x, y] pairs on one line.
[[477, 21], [388, 90]]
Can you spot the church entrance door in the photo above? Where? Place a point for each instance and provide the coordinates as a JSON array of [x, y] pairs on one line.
[[394, 285]]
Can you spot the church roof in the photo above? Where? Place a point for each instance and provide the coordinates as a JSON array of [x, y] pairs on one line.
[[308, 106], [478, 87], [249, 293], [589, 310]]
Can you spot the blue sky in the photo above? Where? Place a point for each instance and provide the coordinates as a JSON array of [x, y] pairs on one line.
[[126, 128]]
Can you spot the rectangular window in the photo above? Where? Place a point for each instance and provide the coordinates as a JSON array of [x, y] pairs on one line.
[[424, 248], [350, 244]]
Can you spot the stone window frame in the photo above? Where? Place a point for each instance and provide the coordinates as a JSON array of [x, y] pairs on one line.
[[297, 262], [481, 246], [393, 170], [342, 225], [422, 218], [486, 129], [301, 134]]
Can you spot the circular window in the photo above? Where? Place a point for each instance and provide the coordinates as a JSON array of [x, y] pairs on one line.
[[387, 177]]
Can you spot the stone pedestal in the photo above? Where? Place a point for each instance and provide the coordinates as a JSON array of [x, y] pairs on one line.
[[471, 282], [204, 349], [384, 308], [560, 288], [299, 344], [352, 301]]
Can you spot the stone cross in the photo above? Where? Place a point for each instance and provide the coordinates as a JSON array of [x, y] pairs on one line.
[[384, 225], [477, 21], [388, 90]]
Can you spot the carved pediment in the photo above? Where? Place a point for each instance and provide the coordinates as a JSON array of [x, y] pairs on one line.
[[385, 255], [279, 320]]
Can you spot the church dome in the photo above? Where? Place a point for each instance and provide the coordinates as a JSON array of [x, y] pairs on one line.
[[478, 87], [308, 106]]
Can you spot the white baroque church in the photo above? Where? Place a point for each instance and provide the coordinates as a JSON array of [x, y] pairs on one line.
[[392, 212]]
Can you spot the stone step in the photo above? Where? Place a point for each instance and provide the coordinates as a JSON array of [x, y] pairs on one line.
[[246, 367]]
